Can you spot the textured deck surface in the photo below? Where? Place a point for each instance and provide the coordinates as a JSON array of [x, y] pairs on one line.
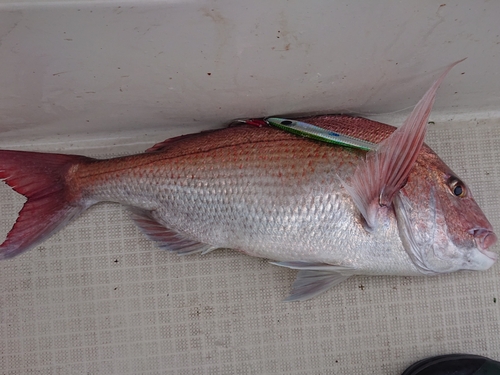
[[98, 298]]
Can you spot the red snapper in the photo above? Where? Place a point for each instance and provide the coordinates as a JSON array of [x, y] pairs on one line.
[[328, 211]]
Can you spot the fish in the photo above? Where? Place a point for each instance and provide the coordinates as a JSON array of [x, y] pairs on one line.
[[329, 211]]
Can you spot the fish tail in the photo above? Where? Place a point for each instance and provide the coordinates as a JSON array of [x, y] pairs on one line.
[[51, 203]]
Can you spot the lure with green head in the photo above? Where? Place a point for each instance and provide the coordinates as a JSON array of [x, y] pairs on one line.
[[315, 132]]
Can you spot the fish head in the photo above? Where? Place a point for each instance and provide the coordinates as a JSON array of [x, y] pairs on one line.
[[440, 224]]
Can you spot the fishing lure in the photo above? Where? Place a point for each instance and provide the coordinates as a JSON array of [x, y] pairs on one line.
[[315, 132]]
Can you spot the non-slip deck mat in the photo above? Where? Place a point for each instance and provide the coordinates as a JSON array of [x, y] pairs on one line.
[[98, 298]]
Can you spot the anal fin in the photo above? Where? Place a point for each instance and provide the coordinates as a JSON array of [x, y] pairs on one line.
[[166, 238], [314, 278]]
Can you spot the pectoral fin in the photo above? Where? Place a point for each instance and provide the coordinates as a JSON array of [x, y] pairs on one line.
[[314, 278], [385, 170]]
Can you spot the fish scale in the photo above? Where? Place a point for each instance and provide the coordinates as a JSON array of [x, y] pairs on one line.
[[311, 214]]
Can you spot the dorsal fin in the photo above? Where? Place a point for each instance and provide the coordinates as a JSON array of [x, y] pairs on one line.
[[162, 146]]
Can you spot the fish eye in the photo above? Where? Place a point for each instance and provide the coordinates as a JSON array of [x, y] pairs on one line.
[[457, 187]]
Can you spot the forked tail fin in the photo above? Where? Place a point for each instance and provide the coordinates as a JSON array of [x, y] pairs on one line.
[[50, 205]]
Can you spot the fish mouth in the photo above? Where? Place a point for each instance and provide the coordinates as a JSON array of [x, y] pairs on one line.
[[484, 239]]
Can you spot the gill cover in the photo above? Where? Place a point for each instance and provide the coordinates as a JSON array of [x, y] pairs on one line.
[[429, 246]]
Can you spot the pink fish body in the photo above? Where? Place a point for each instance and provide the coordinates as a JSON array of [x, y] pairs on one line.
[[329, 211]]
